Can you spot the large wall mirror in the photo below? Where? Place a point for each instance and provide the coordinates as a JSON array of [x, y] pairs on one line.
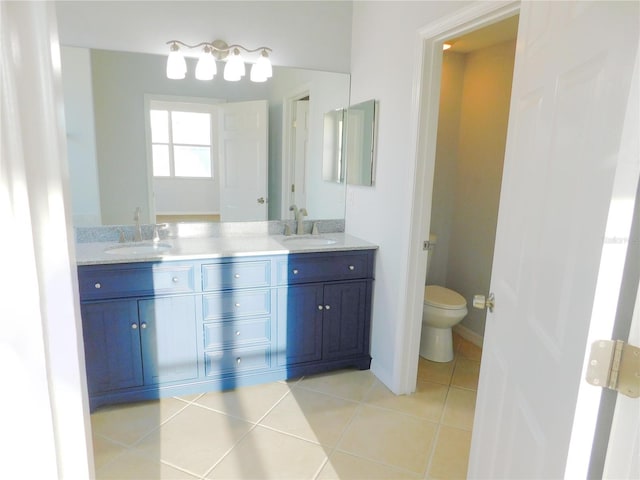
[[108, 97]]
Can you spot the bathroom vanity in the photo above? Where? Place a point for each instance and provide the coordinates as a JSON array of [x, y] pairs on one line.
[[202, 317]]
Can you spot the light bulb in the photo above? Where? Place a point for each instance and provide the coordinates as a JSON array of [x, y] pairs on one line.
[[176, 65], [234, 70], [257, 74], [265, 64], [206, 67]]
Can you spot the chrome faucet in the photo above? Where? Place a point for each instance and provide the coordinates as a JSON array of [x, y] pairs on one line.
[[137, 234], [300, 220]]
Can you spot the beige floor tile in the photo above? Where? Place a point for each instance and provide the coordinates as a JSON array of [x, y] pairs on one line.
[[348, 467], [451, 455], [104, 451], [265, 454], [311, 415], [195, 439], [426, 402], [349, 384], [464, 348], [132, 466], [466, 373], [459, 408], [128, 423], [435, 372], [389, 437], [248, 403]]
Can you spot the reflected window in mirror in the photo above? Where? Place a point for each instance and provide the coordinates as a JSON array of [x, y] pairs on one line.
[[181, 143]]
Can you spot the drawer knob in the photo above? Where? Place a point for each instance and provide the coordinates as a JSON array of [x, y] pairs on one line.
[[134, 326], [97, 285], [327, 307], [352, 268], [175, 279], [237, 305], [237, 275], [143, 325], [320, 307], [238, 360], [237, 333], [295, 271]]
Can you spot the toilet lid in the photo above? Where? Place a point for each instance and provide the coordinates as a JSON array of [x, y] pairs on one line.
[[442, 297]]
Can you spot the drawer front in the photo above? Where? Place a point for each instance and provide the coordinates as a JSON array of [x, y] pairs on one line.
[[224, 276], [131, 280], [236, 304], [321, 268], [237, 360], [219, 334]]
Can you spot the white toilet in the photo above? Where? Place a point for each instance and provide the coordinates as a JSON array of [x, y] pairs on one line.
[[443, 308]]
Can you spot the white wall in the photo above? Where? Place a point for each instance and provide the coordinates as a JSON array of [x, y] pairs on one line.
[[486, 98], [81, 140], [383, 66], [309, 34]]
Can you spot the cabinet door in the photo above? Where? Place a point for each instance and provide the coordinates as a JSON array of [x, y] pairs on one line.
[[111, 345], [169, 340], [300, 323], [344, 319]]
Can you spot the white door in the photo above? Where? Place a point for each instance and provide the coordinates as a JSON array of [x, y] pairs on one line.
[[299, 189], [242, 160], [572, 78]]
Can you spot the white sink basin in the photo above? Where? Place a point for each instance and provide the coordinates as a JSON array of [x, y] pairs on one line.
[[145, 248], [307, 241]]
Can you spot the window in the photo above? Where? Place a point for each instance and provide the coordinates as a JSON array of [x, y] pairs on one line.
[[181, 140]]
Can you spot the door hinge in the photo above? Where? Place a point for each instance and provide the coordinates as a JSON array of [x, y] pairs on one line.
[[615, 364], [293, 188]]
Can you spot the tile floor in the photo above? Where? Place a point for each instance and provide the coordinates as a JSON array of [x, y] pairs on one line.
[[345, 425]]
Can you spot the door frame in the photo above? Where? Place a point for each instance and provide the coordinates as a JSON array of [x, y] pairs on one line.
[[425, 113]]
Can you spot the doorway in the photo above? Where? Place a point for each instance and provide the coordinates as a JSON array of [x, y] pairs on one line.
[[475, 92]]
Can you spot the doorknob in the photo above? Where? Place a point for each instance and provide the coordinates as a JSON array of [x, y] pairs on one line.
[[261, 200], [480, 302]]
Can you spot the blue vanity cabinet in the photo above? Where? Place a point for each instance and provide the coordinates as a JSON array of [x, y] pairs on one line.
[[112, 350], [324, 311], [139, 329]]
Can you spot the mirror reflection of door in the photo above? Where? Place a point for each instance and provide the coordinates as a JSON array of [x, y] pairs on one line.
[[242, 158], [301, 139]]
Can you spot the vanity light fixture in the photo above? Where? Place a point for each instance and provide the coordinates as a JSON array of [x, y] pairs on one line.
[[206, 68]]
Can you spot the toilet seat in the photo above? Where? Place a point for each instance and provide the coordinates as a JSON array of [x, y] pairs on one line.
[[441, 297]]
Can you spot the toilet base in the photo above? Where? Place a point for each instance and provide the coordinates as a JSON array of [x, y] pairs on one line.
[[436, 344]]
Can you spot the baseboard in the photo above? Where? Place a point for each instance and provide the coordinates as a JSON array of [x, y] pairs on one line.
[[469, 335]]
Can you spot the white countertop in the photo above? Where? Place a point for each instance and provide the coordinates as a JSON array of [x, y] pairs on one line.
[[216, 247]]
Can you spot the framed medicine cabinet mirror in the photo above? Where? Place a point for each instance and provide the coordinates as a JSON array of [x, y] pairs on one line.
[[349, 144]]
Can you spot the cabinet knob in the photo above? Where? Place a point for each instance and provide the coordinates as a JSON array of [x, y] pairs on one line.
[[237, 305], [97, 285], [134, 326], [320, 307], [143, 325], [237, 275], [175, 279], [295, 271], [237, 333], [238, 360], [352, 267], [327, 307]]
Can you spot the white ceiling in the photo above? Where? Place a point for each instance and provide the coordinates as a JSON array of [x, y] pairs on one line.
[[305, 34]]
